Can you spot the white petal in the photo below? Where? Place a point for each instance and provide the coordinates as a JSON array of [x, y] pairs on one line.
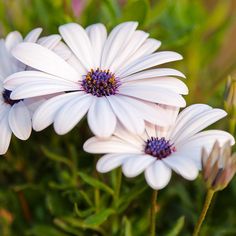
[[101, 118], [33, 35], [149, 61], [127, 114], [147, 48], [116, 41], [12, 40], [199, 122], [182, 166], [5, 134], [135, 165], [78, 41], [44, 87], [20, 121], [97, 34], [169, 83], [154, 73], [158, 175], [43, 59], [45, 114], [64, 52], [25, 77], [49, 41], [110, 145], [153, 94], [138, 37], [110, 161], [71, 113]]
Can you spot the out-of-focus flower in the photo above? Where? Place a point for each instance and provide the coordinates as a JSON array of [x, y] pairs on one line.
[[6, 216], [219, 166], [78, 6], [16, 114], [159, 150], [110, 78]]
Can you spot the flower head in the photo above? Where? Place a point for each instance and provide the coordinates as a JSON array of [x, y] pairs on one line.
[[159, 150], [15, 114], [219, 166], [109, 77]]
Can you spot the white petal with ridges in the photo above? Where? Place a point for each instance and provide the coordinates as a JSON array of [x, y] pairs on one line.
[[33, 35], [135, 165], [71, 113], [12, 39], [78, 41], [20, 120], [41, 58], [111, 161], [49, 41], [101, 118], [158, 175], [45, 114], [110, 145]]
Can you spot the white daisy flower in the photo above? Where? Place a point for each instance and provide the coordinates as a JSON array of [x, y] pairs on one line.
[[158, 150], [109, 77], [16, 114]]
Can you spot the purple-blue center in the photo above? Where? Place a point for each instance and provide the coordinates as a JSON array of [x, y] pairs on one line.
[[100, 83], [159, 147], [6, 97]]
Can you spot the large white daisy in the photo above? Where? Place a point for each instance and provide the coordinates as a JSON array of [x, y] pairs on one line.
[[160, 150], [109, 77], [16, 114]]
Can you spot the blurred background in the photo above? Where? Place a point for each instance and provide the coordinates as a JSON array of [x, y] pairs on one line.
[[49, 186]]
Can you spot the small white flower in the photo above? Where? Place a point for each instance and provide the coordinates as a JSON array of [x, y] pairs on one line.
[[107, 77], [160, 150], [15, 114]]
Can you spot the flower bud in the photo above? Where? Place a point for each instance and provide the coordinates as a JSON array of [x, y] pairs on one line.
[[218, 167]]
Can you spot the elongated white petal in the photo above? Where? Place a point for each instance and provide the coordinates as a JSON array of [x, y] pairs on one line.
[[198, 123], [20, 121], [78, 41], [169, 83], [110, 161], [153, 94], [12, 40], [138, 37], [49, 41], [148, 47], [182, 166], [71, 113], [101, 118], [44, 87], [135, 165], [116, 41], [153, 73], [158, 175], [45, 114], [5, 134], [148, 62], [24, 77], [41, 58], [127, 115], [97, 34], [33, 35], [110, 145]]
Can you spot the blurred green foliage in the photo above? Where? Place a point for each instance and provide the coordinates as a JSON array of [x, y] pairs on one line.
[[49, 186]]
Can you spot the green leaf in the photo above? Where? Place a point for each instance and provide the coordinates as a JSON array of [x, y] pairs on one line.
[[177, 227], [96, 183], [128, 227], [40, 230], [136, 10], [99, 217]]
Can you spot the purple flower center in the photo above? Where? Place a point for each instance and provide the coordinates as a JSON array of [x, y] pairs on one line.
[[6, 97], [100, 83], [159, 147]]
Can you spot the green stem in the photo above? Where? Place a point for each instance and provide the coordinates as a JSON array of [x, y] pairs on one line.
[[117, 185], [205, 208], [153, 214]]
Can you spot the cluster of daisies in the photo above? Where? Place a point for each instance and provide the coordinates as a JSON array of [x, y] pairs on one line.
[[132, 104]]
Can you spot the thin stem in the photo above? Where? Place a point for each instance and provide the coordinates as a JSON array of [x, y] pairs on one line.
[[153, 214], [205, 208], [117, 185]]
